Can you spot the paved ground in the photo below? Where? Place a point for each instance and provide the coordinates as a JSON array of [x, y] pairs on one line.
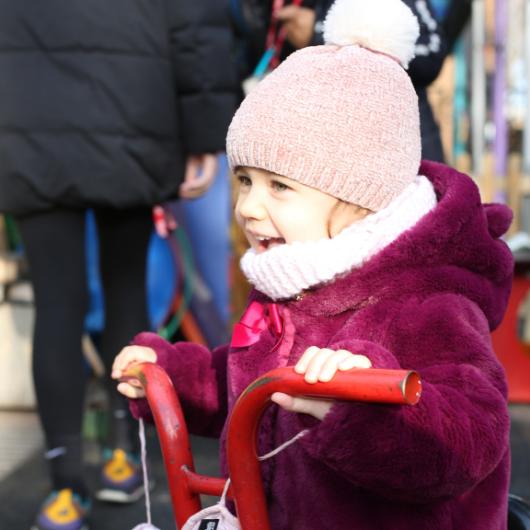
[[520, 442], [22, 489], [21, 436]]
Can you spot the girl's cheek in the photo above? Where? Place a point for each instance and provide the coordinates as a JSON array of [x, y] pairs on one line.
[[237, 214]]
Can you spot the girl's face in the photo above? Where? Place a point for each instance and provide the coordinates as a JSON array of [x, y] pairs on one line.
[[273, 210]]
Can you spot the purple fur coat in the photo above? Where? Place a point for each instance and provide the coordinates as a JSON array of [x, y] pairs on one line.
[[426, 302]]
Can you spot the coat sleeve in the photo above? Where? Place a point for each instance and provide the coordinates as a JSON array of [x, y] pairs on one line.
[[199, 378], [431, 47], [321, 8], [455, 20], [205, 72], [453, 438]]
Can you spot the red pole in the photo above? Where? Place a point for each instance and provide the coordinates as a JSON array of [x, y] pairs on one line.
[[173, 435], [372, 385]]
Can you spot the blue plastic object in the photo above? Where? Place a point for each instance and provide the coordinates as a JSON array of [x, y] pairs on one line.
[[439, 7], [95, 317], [161, 280], [207, 222]]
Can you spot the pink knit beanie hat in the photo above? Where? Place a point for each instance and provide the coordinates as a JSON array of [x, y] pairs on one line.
[[343, 117]]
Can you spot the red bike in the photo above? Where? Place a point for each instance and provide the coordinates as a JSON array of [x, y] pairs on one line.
[[374, 385]]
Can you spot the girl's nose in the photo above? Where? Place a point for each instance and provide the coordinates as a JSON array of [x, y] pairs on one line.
[[250, 206]]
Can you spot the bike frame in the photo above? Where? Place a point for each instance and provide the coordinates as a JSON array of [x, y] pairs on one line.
[[399, 387]]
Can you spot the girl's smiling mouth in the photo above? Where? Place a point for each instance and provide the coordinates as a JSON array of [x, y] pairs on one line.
[[265, 243]]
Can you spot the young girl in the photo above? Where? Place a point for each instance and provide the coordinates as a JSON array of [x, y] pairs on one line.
[[371, 260]]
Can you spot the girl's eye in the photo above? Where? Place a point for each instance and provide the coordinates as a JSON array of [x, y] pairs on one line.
[[279, 186], [244, 180]]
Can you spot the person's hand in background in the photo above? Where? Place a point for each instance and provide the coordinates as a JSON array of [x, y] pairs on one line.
[[199, 175], [299, 23]]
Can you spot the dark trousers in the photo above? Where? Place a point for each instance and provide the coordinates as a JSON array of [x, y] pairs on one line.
[[54, 243]]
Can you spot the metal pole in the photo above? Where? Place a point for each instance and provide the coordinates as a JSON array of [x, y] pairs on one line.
[[526, 130], [499, 94], [478, 87]]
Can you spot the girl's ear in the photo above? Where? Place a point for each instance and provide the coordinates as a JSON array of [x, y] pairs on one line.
[[343, 215]]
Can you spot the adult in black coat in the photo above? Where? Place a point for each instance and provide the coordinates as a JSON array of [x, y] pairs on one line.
[[115, 106], [101, 102]]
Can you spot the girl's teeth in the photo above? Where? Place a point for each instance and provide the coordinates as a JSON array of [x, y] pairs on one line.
[[266, 242]]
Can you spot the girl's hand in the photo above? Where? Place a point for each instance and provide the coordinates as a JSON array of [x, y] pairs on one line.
[[319, 364], [132, 388]]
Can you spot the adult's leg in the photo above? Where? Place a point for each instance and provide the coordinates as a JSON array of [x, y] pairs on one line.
[[123, 242], [54, 243]]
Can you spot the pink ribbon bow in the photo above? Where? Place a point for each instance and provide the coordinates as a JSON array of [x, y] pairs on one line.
[[256, 319]]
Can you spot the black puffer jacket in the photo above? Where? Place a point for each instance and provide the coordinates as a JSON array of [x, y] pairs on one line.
[[101, 100], [431, 51]]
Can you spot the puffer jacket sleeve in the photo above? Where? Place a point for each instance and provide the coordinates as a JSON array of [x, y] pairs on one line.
[[199, 378], [452, 439], [431, 46], [321, 8], [205, 72]]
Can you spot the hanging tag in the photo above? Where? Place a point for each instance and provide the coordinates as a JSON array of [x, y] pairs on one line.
[[209, 524], [213, 518], [216, 517]]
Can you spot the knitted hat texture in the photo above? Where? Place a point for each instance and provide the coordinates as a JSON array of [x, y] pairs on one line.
[[342, 118]]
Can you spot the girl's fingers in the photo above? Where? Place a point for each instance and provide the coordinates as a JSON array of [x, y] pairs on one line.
[[124, 358], [332, 364], [317, 408], [315, 365], [354, 361], [303, 362], [130, 355], [129, 391], [134, 383], [120, 364], [321, 364], [283, 400], [117, 367]]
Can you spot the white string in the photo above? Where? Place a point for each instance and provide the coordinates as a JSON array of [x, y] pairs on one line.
[[144, 471], [225, 491], [284, 445], [266, 456]]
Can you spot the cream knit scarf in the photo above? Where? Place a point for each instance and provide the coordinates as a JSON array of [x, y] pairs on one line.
[[285, 271]]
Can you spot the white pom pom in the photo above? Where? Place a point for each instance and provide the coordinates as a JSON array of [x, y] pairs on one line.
[[386, 26]]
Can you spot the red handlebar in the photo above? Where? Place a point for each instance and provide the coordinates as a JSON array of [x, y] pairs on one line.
[[371, 385]]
